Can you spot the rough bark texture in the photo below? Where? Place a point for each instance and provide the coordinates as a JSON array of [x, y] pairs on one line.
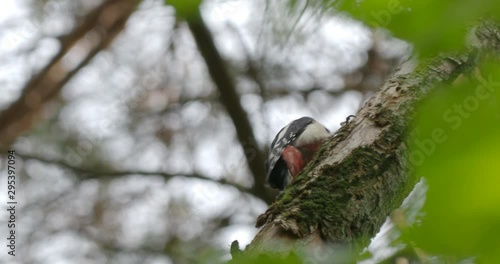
[[362, 173]]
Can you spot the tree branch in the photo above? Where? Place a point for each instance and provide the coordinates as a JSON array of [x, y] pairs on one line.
[[361, 174], [106, 21], [364, 171], [85, 173], [231, 101]]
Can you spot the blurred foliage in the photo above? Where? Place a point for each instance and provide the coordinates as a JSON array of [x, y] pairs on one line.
[[432, 26], [328, 254], [456, 148], [185, 8], [269, 259]]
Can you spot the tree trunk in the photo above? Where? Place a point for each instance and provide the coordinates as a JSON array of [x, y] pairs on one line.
[[364, 171]]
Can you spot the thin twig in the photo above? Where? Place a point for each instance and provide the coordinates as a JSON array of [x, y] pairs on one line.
[[85, 173]]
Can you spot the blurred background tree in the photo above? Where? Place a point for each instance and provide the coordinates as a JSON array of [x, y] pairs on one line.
[[128, 151]]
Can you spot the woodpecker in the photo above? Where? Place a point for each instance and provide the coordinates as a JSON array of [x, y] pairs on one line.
[[292, 148]]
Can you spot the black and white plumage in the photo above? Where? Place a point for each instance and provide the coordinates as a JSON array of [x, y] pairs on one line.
[[292, 148]]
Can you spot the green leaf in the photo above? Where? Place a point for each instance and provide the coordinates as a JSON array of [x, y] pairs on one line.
[[457, 149], [185, 9], [432, 26]]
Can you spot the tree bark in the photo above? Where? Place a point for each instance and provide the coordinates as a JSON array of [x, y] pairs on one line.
[[363, 172]]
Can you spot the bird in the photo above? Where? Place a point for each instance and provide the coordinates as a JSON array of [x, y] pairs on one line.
[[292, 148]]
